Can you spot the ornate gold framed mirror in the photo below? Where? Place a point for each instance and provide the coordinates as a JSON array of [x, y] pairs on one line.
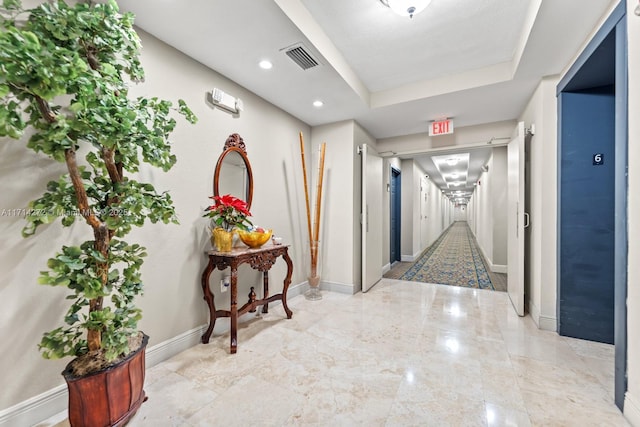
[[233, 171]]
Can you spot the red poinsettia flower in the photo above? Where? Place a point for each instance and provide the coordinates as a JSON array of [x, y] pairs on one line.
[[228, 212]]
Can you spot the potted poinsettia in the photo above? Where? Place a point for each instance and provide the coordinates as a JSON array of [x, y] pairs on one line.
[[227, 213], [65, 73]]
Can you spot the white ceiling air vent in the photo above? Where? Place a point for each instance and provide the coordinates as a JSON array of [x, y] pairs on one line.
[[301, 56]]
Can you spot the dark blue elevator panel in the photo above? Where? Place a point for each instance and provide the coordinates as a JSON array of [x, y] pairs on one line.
[[587, 214]]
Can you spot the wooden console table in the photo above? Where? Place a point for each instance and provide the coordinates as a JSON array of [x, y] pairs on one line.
[[261, 259]]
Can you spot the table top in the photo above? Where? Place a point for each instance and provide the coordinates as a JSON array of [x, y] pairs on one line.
[[235, 252]]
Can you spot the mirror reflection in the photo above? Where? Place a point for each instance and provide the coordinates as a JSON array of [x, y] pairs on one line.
[[233, 171], [233, 177]]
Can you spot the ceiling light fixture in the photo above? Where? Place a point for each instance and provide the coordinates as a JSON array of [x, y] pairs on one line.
[[406, 7], [452, 161], [265, 65], [318, 103]]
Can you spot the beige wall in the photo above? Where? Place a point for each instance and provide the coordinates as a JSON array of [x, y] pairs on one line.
[[172, 302], [361, 137], [407, 249], [437, 214], [499, 200], [541, 281], [487, 211], [632, 401], [482, 208], [339, 205], [417, 234], [340, 241]]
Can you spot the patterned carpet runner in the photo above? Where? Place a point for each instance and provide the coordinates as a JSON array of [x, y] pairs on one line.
[[454, 259]]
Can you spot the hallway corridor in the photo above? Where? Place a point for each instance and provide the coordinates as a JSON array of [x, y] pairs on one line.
[[454, 259]]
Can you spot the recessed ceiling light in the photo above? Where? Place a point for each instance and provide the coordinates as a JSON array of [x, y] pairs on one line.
[[265, 65], [317, 103]]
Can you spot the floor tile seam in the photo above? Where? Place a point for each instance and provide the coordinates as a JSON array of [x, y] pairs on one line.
[[572, 386], [522, 408], [560, 397]]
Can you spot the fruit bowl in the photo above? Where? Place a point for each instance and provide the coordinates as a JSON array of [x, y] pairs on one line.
[[254, 239]]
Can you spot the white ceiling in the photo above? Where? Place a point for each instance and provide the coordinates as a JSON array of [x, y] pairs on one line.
[[477, 61]]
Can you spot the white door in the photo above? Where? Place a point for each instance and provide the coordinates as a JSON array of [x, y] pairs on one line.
[[515, 219], [371, 218], [424, 213]]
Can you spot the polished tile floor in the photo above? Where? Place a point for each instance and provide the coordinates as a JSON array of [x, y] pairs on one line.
[[402, 354]]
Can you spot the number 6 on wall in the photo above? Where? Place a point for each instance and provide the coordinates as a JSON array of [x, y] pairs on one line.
[[598, 159]]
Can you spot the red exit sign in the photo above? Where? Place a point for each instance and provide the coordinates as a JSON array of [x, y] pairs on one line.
[[441, 127]]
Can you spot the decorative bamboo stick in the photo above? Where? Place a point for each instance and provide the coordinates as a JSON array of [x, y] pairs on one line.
[[306, 188], [319, 192], [314, 236]]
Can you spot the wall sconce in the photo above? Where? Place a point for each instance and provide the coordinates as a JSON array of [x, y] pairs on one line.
[[222, 100]]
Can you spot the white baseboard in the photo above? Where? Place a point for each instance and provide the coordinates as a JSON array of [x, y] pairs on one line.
[[498, 268], [341, 288], [411, 258], [548, 324], [386, 268], [544, 323], [632, 409], [495, 268], [54, 402], [169, 348], [36, 409]]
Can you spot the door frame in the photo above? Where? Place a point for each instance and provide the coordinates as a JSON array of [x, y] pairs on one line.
[[395, 177], [371, 214], [516, 213], [615, 22]]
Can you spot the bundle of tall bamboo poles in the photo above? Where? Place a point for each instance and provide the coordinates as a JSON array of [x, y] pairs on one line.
[[314, 231]]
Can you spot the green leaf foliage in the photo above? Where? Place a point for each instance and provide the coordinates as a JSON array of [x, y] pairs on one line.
[[65, 73]]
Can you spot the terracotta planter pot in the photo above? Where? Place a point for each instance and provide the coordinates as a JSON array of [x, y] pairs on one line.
[[110, 397]]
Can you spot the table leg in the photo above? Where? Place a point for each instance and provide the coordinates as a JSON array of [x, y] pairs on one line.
[[234, 310], [287, 282], [265, 291], [208, 297], [252, 298]]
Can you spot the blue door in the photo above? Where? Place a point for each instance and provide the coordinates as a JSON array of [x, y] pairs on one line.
[[395, 202], [587, 163], [592, 194]]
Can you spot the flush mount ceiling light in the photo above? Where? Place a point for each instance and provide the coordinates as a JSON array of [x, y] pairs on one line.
[[265, 64], [406, 7], [318, 103]]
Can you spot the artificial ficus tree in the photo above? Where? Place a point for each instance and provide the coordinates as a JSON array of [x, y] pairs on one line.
[[65, 72]]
